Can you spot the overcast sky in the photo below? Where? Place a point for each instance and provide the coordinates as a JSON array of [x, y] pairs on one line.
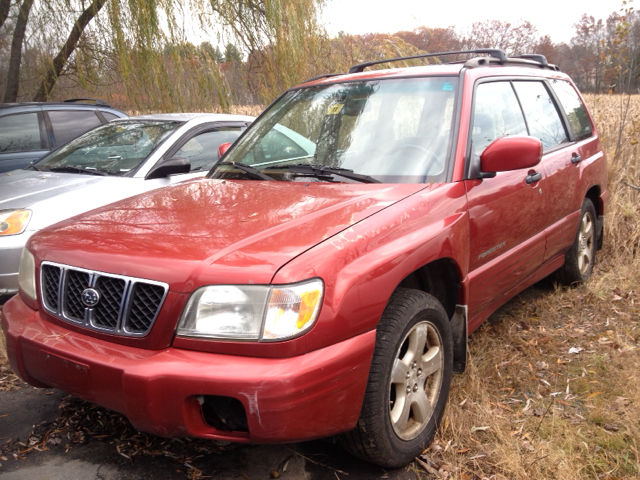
[[552, 17]]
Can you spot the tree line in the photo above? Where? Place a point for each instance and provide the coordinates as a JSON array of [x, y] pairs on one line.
[[138, 56]]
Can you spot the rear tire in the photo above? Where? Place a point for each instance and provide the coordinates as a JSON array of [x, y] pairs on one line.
[[408, 382], [579, 260]]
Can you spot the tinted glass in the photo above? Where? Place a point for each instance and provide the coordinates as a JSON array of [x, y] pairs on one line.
[[392, 130], [19, 133], [114, 148], [574, 108], [69, 124], [108, 116], [496, 114], [542, 116], [202, 150]]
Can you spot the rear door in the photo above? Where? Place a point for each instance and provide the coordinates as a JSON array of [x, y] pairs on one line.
[[565, 200], [69, 124]]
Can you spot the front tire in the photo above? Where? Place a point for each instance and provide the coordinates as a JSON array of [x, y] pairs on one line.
[[579, 260], [408, 382]]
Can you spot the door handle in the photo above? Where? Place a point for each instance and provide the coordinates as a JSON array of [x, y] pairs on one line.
[[575, 158], [533, 177]]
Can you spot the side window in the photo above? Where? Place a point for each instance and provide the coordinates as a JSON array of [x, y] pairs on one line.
[[202, 150], [496, 114], [542, 116], [108, 116], [574, 108], [69, 124], [20, 133]]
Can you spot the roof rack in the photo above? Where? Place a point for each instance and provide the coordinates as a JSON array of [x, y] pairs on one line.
[[493, 52], [535, 61], [326, 75], [96, 101], [496, 57], [536, 58]]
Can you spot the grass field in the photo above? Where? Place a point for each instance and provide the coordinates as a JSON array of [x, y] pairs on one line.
[[529, 408]]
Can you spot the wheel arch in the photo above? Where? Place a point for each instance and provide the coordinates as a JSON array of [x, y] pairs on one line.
[[594, 194], [442, 278]]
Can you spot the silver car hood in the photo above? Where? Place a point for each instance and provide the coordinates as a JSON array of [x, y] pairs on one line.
[[55, 196]]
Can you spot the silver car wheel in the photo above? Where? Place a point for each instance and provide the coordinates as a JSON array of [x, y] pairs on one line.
[[416, 380]]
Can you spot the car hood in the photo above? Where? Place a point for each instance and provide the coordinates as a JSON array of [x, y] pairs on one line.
[[212, 231], [53, 196]]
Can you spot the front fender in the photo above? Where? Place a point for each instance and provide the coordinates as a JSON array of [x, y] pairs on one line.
[[363, 265]]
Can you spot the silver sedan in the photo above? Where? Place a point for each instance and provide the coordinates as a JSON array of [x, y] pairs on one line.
[[117, 160]]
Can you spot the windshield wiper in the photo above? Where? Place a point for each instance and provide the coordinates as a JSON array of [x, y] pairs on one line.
[[324, 170], [250, 170], [70, 169]]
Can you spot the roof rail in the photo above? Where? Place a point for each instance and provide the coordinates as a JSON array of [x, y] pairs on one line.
[[541, 59], [493, 52], [96, 101], [536, 61], [326, 75]]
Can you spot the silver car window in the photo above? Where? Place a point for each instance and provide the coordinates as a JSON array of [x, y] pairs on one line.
[[113, 149]]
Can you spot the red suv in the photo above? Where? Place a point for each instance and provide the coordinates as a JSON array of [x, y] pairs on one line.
[[324, 276]]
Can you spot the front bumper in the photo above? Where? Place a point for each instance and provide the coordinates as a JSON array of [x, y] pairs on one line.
[[289, 399]]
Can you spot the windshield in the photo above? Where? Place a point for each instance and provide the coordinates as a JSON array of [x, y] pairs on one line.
[[112, 149], [395, 131]]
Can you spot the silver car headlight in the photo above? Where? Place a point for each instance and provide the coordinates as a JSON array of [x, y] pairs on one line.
[[27, 274], [252, 312], [13, 222]]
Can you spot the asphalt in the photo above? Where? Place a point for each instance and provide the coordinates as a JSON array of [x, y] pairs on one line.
[[28, 410]]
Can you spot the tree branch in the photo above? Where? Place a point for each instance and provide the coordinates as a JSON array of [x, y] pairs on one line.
[[54, 70]]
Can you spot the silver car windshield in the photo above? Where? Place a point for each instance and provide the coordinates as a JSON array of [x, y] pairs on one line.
[[396, 131], [112, 149]]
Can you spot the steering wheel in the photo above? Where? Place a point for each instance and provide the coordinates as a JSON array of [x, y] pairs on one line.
[[428, 160]]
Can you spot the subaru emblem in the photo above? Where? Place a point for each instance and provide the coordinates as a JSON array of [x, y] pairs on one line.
[[90, 297]]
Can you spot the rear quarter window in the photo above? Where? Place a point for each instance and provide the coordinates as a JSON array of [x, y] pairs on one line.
[[574, 108]]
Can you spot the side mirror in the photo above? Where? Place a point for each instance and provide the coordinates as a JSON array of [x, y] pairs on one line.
[[222, 149], [169, 166], [511, 153]]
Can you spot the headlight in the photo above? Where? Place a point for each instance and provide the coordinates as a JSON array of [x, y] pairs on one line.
[[27, 274], [252, 312], [13, 222]]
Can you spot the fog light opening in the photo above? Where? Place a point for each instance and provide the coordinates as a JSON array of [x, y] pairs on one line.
[[224, 413]]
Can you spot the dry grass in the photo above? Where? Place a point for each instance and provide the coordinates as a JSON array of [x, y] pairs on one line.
[[526, 407]]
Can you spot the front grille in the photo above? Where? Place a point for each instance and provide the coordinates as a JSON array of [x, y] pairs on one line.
[[73, 288], [101, 301], [51, 284], [144, 299]]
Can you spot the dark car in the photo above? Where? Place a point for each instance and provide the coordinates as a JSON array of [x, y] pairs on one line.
[[28, 131], [288, 297]]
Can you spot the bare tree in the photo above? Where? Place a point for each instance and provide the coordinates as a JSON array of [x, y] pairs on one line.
[[13, 75], [55, 69]]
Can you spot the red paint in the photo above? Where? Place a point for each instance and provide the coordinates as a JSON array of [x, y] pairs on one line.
[[500, 235], [511, 153]]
